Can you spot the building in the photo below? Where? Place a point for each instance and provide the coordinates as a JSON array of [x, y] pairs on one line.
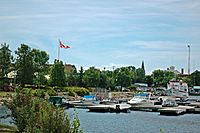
[[172, 69], [69, 67]]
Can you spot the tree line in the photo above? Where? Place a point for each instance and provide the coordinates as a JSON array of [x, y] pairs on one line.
[[31, 66]]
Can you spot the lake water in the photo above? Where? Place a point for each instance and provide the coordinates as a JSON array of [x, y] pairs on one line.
[[136, 122]]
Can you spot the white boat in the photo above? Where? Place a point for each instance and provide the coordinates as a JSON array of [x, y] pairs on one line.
[[177, 89], [141, 99]]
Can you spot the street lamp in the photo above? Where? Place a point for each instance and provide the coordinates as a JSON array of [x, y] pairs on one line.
[[188, 58]]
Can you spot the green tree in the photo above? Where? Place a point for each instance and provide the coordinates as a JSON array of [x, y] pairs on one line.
[[103, 83], [111, 79], [143, 67], [40, 61], [149, 80], [188, 80], [57, 76], [195, 78], [132, 74], [24, 65], [92, 77], [140, 75], [5, 63], [34, 115], [72, 78], [80, 81], [161, 78], [123, 77]]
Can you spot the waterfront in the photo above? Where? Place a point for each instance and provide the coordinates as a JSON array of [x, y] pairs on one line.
[[133, 122], [136, 122]]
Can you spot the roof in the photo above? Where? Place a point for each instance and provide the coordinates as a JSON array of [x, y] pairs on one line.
[[141, 84], [89, 97]]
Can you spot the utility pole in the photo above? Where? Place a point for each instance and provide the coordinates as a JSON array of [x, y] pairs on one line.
[[188, 58]]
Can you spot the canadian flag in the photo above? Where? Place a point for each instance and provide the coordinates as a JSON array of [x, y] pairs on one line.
[[63, 46]]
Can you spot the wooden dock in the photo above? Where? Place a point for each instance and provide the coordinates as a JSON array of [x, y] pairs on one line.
[[179, 110], [110, 108], [172, 111], [151, 108]]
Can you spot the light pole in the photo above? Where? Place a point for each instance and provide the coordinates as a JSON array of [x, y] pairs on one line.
[[188, 58]]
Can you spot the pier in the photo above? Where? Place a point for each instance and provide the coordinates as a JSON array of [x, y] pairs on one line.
[[110, 108], [179, 110]]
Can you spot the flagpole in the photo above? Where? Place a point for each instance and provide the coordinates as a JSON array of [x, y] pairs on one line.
[[59, 50]]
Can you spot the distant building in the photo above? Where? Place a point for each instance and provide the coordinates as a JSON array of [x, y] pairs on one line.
[[142, 87], [172, 69], [69, 67]]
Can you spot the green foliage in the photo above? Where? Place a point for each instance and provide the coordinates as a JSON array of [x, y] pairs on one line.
[[72, 78], [195, 78], [40, 59], [92, 77], [38, 93], [140, 75], [103, 83], [5, 64], [149, 80], [24, 65], [80, 80], [57, 77], [51, 92], [161, 78], [34, 115], [72, 91], [123, 77]]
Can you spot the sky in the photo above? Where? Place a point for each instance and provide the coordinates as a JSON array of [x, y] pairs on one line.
[[106, 33]]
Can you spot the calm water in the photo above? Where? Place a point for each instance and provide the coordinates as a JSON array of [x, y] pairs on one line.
[[134, 122], [137, 122]]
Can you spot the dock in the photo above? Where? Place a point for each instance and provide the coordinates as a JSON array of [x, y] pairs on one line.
[[149, 108], [179, 110], [172, 111], [110, 108]]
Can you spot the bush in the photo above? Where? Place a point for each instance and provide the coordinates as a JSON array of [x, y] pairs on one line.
[[38, 93], [51, 92], [34, 115], [77, 90]]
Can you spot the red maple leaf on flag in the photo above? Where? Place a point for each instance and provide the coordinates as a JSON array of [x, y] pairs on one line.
[[63, 46]]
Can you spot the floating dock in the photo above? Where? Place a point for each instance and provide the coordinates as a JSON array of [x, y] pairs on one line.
[[172, 111], [110, 108]]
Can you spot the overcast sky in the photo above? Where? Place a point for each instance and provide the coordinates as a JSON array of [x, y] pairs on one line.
[[106, 33]]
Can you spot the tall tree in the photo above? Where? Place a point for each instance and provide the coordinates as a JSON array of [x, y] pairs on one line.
[[80, 82], [40, 62], [103, 83], [92, 77], [195, 78], [123, 77], [110, 79], [140, 75], [143, 67], [24, 65], [57, 77], [161, 78], [5, 63], [149, 80], [72, 78]]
